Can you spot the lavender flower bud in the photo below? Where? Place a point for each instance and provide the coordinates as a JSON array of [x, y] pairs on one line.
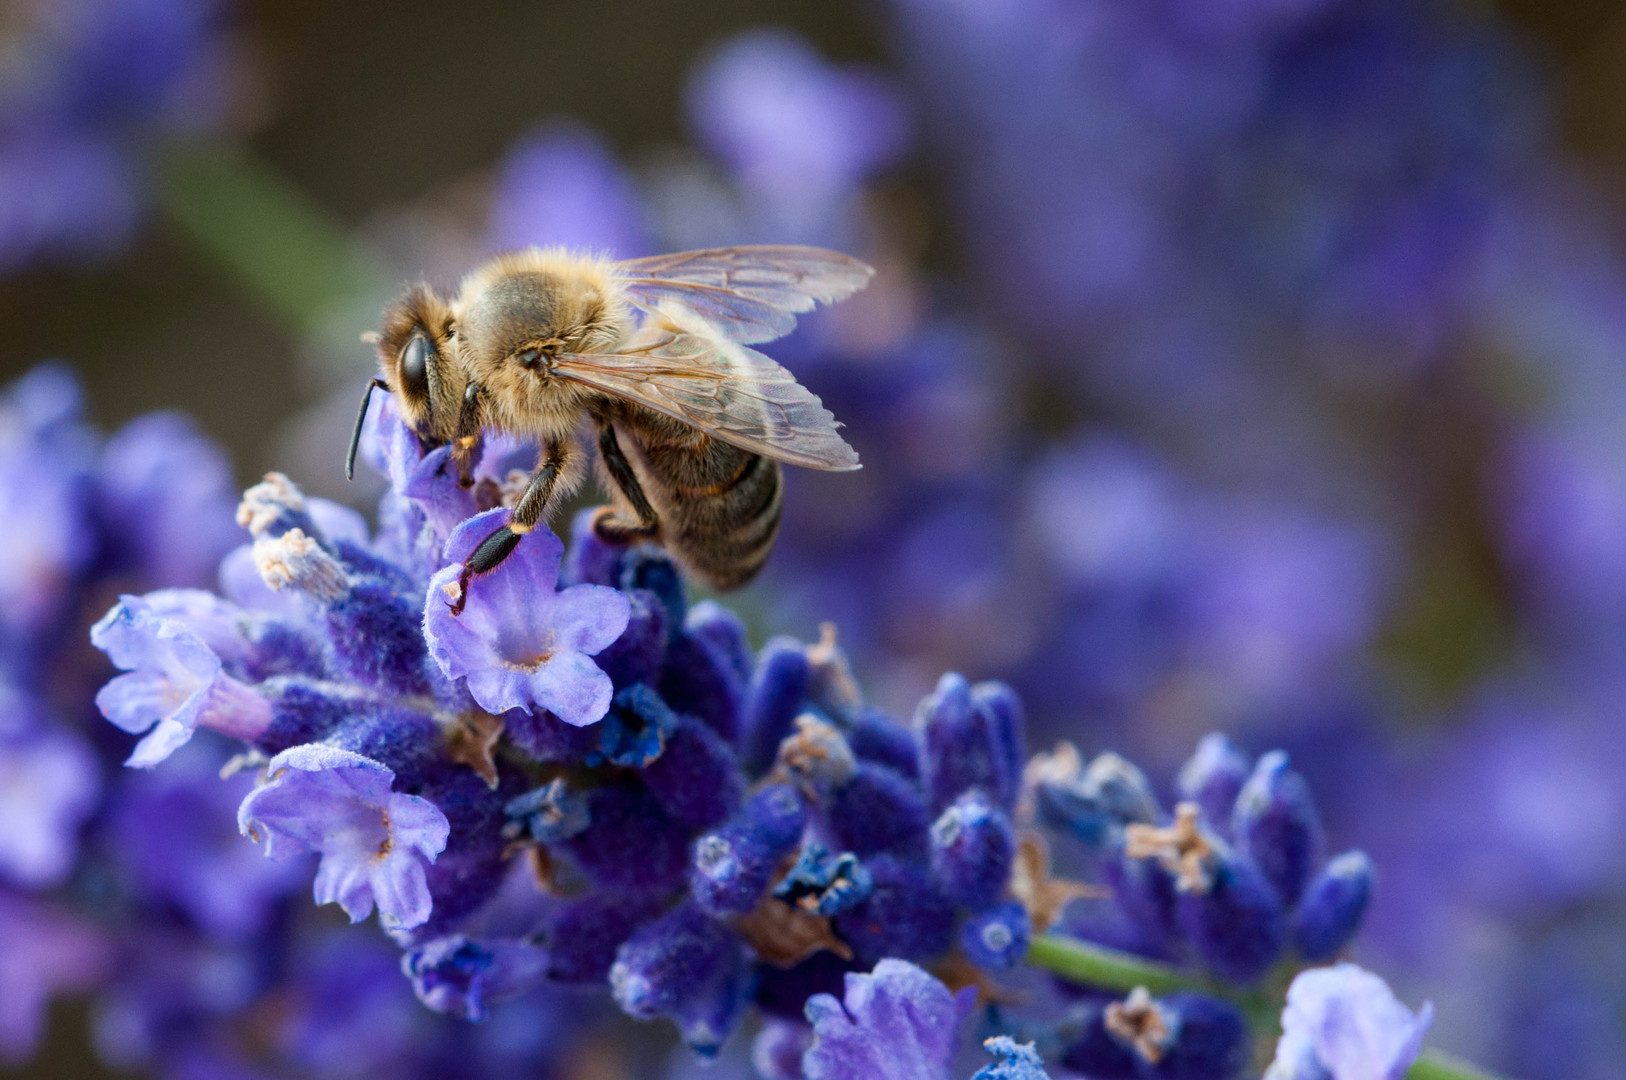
[[461, 976], [696, 778], [590, 561], [1275, 825], [773, 700], [1093, 1050], [1145, 892], [905, 915], [685, 965], [635, 730], [631, 843], [1093, 803], [724, 631], [972, 845], [637, 655], [1213, 778], [732, 865], [1332, 907], [877, 737], [961, 744], [997, 939], [548, 739], [581, 936], [877, 811], [1208, 1040], [701, 680], [1236, 925], [1008, 722], [652, 569]]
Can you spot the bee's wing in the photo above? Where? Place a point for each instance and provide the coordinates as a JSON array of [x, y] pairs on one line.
[[748, 294], [723, 388]]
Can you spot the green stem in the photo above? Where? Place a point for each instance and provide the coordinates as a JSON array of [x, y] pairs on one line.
[[1086, 962], [287, 251]]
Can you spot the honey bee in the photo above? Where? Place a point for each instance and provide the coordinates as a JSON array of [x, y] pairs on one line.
[[650, 359]]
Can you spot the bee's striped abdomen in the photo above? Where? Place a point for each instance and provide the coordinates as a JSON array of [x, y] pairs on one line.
[[719, 506]]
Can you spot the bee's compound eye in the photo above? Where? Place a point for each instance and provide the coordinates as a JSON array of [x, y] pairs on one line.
[[529, 358], [415, 365]]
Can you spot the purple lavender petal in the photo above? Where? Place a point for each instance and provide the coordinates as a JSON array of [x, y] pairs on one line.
[[373, 841], [174, 685], [520, 643], [897, 1023], [1348, 1022], [49, 784]]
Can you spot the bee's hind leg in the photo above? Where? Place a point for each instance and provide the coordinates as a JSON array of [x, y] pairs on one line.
[[607, 524], [532, 507]]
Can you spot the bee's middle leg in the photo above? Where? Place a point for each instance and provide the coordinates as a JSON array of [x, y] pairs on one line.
[[610, 526], [531, 509]]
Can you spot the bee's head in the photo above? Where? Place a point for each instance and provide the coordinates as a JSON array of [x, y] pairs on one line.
[[418, 360], [418, 364]]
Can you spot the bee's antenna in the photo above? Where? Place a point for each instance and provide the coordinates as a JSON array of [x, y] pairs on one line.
[[361, 418]]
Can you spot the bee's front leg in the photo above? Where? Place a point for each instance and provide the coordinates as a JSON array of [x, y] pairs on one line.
[[467, 440], [531, 509]]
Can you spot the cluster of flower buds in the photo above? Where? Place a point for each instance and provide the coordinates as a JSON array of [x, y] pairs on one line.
[[579, 778], [1232, 883], [705, 826]]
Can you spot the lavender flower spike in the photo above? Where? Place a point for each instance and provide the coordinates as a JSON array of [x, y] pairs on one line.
[[174, 683], [1344, 1023], [897, 1023], [521, 642], [373, 841]]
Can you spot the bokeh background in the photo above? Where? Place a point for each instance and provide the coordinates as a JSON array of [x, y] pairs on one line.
[[1252, 365]]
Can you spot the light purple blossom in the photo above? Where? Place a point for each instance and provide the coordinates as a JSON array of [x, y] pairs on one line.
[[521, 642], [897, 1023], [373, 841], [798, 131], [174, 683], [167, 494], [49, 783], [563, 186], [1344, 1023]]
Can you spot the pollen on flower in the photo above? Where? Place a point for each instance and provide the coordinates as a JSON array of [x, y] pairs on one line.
[[817, 755], [1180, 848], [266, 502], [298, 561], [1139, 1021], [544, 654]]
